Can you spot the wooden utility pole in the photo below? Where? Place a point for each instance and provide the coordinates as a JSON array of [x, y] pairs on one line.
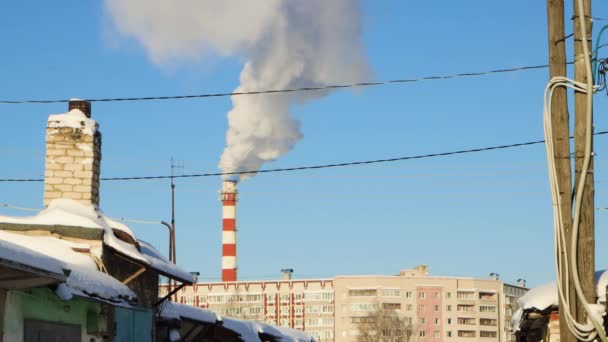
[[561, 139], [586, 233]]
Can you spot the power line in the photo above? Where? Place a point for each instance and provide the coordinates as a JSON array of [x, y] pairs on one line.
[[310, 167], [5, 205], [291, 90]]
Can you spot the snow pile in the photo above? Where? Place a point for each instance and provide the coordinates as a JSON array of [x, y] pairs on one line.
[[75, 118], [546, 295], [172, 310], [67, 212], [248, 330], [160, 263], [17, 253], [540, 297], [54, 254], [294, 335]]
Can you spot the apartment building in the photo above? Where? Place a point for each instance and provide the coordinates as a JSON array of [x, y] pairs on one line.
[[433, 308], [301, 304]]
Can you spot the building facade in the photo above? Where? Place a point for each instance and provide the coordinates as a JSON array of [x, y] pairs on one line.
[[431, 308]]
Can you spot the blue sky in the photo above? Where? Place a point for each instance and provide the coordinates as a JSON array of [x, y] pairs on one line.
[[466, 215]]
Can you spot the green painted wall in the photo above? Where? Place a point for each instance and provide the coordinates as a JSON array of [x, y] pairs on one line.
[[43, 304]]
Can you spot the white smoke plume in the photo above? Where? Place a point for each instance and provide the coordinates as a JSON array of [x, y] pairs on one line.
[[285, 43]]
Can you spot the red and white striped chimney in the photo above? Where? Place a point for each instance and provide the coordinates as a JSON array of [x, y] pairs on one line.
[[229, 197]]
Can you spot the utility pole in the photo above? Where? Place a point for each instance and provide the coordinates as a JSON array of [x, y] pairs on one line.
[[561, 141], [173, 167], [172, 235], [586, 234]]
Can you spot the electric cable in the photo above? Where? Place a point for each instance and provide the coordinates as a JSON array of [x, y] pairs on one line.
[[580, 187], [17, 207], [581, 331], [290, 90], [311, 167]]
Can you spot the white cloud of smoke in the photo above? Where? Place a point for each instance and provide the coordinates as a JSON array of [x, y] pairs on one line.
[[285, 43]]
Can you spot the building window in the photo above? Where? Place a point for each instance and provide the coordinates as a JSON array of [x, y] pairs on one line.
[[319, 296], [436, 334], [391, 292], [391, 306], [449, 334], [487, 295], [436, 321], [421, 295], [487, 308], [466, 333], [448, 308], [363, 307], [464, 295], [436, 308], [298, 310], [408, 294], [422, 333], [213, 298], [448, 295], [362, 319], [465, 308], [285, 297], [320, 322], [271, 297], [422, 320], [421, 308], [408, 307], [466, 320], [487, 321], [298, 296], [436, 295], [362, 293], [487, 333], [449, 321], [256, 310], [313, 309]]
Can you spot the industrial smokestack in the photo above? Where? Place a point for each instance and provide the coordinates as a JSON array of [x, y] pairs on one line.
[[229, 197]]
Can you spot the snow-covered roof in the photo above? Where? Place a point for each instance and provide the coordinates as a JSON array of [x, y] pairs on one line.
[[75, 118], [9, 250], [54, 254], [248, 330], [164, 266], [172, 310], [70, 213], [545, 296]]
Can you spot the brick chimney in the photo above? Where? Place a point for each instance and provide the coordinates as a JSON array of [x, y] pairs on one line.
[[73, 155]]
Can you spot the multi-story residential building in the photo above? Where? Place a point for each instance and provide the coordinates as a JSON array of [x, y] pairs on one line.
[[433, 308]]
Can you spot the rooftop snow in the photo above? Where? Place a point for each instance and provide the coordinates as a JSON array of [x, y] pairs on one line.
[[248, 330], [164, 266], [543, 296], [172, 310], [67, 212], [20, 254], [75, 118], [546, 295], [84, 278]]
